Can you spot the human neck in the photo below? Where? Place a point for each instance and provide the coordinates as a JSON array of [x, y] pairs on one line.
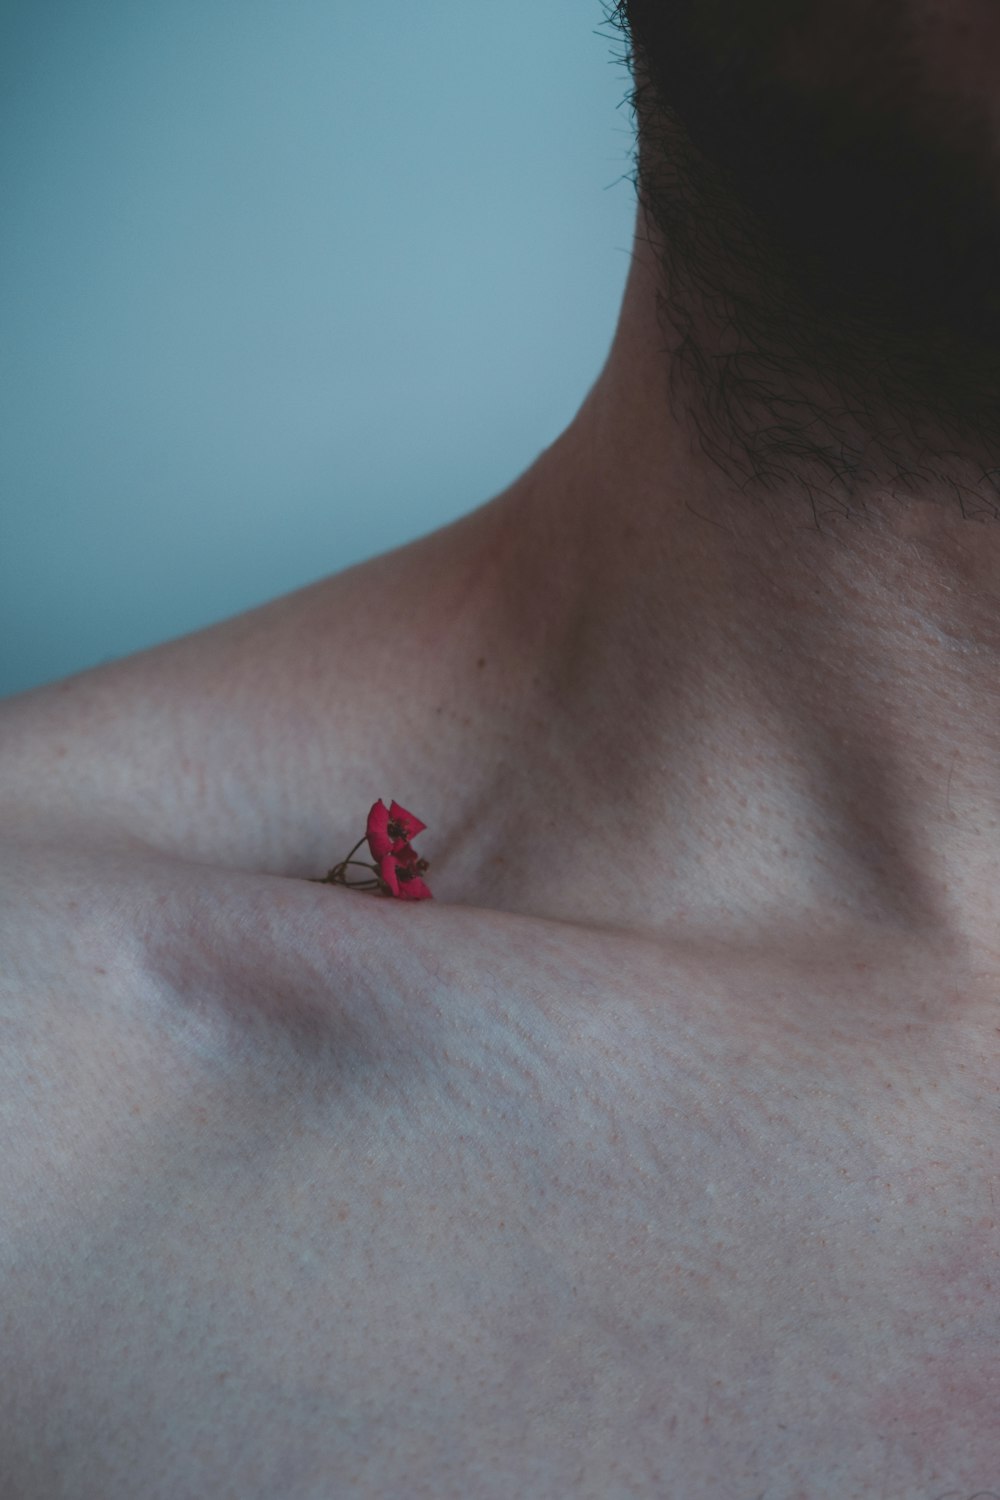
[[747, 716]]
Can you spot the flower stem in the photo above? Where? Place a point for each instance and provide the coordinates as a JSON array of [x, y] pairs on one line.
[[336, 875]]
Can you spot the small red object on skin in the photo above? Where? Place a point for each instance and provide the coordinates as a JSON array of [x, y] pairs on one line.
[[408, 871], [390, 828], [389, 832], [398, 867]]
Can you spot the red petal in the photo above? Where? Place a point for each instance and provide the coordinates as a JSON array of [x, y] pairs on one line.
[[387, 865], [412, 825], [411, 887], [377, 832]]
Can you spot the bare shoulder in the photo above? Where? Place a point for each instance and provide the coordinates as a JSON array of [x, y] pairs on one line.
[[341, 1195], [224, 1121], [234, 743], [178, 743]]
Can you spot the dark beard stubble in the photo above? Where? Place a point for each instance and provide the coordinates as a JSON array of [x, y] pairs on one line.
[[830, 251]]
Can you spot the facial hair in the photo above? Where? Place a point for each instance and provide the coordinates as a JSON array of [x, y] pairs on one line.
[[827, 216]]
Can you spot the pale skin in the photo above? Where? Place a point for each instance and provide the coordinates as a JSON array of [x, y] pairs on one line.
[[658, 1154]]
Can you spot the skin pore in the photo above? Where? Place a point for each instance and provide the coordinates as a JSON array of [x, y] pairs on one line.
[[752, 594]]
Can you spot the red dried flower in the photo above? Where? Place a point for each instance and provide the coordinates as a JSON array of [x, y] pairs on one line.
[[398, 869], [401, 871], [389, 828]]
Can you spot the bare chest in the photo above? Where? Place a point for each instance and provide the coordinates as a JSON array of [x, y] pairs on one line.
[[490, 1238]]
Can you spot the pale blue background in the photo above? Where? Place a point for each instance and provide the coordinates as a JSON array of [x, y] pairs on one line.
[[283, 284]]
